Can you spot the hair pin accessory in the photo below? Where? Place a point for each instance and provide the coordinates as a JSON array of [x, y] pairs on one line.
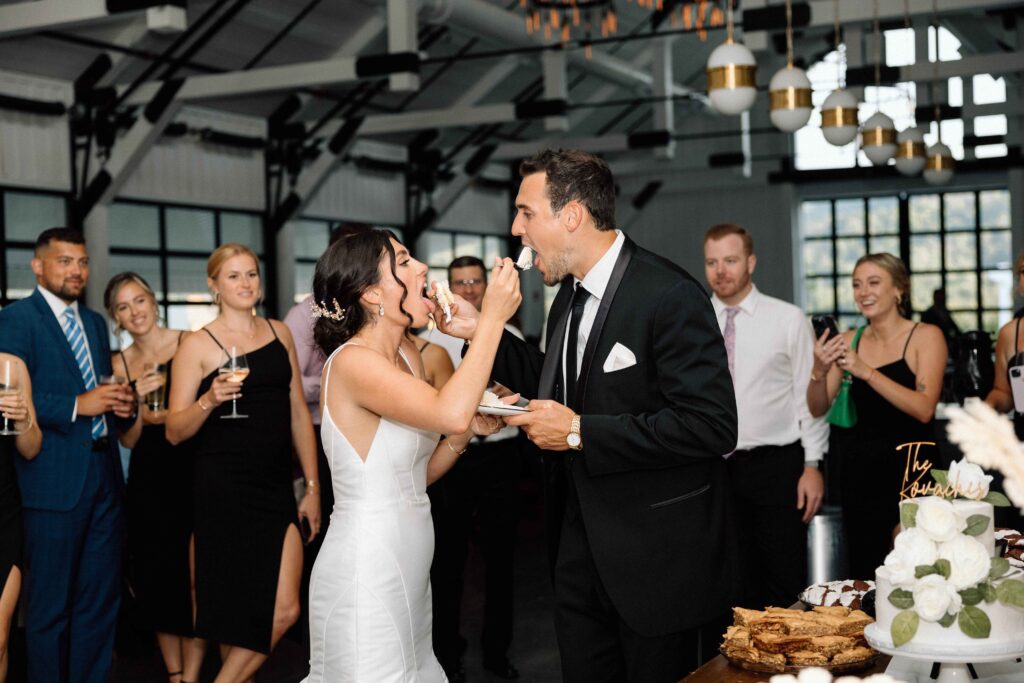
[[321, 311]]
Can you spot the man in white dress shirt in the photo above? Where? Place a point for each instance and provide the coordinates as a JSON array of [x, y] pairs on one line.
[[774, 469]]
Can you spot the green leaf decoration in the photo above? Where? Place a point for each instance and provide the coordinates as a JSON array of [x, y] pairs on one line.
[[923, 570], [997, 499], [941, 477], [1011, 592], [947, 620], [976, 525], [971, 596], [908, 515], [988, 592], [904, 627], [1000, 565], [901, 599], [974, 623], [942, 567]]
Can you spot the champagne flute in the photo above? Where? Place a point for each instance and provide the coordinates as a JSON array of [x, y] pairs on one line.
[[119, 380], [155, 399], [9, 387], [235, 370]]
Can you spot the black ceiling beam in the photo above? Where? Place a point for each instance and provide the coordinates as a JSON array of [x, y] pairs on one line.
[[1013, 159], [773, 17], [28, 106]]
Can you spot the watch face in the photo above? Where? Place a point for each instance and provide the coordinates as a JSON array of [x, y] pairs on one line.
[[573, 440]]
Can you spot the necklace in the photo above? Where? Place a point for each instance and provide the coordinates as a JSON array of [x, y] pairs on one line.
[[250, 335]]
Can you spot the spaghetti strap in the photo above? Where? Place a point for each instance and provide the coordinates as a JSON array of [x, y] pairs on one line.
[[272, 328], [217, 341], [407, 363], [905, 346], [124, 362]]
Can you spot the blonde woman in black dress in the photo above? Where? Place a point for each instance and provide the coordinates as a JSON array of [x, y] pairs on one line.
[[248, 549], [158, 502], [17, 409]]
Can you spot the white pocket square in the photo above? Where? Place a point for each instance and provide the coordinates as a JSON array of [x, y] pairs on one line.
[[620, 358]]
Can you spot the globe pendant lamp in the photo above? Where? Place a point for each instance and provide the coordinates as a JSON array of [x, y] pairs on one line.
[[839, 118], [789, 91], [938, 167], [878, 139], [910, 152], [731, 73]]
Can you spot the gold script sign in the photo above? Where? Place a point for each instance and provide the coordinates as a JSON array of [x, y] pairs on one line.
[[917, 469]]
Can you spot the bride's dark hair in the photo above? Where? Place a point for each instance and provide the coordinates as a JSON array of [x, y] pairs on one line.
[[343, 273]]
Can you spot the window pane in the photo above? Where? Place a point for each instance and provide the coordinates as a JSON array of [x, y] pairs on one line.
[[995, 209], [966, 320], [187, 280], [850, 322], [469, 245], [303, 280], [844, 290], [925, 252], [889, 244], [146, 266], [437, 275], [850, 217], [494, 247], [847, 252], [997, 289], [818, 257], [20, 279], [438, 251], [924, 213], [991, 321], [961, 251], [884, 215], [190, 229], [959, 207], [244, 228], [921, 288], [816, 219], [26, 215], [181, 317], [310, 238], [961, 291], [820, 295], [135, 225], [996, 249]]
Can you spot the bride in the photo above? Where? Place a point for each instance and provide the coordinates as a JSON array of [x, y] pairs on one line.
[[369, 595]]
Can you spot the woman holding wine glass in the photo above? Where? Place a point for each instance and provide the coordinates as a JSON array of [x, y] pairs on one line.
[[159, 492], [248, 545], [19, 433]]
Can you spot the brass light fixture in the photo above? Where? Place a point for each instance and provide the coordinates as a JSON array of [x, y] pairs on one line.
[[790, 90], [732, 72], [839, 110]]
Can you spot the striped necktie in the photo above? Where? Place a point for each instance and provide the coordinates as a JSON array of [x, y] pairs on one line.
[[76, 339]]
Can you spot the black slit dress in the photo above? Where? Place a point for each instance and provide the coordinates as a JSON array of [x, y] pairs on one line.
[[11, 530]]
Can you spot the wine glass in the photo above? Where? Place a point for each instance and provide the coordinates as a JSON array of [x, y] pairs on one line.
[[235, 370], [9, 386], [155, 399]]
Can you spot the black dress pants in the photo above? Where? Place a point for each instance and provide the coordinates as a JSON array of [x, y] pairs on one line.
[[770, 526], [480, 490]]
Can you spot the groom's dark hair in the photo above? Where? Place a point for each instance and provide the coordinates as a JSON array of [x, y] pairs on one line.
[[576, 175]]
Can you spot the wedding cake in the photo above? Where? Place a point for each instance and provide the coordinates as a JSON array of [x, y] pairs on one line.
[[944, 587]]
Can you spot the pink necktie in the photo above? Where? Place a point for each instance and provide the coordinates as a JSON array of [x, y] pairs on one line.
[[730, 338]]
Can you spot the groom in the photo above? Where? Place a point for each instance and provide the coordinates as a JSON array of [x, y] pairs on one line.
[[634, 411]]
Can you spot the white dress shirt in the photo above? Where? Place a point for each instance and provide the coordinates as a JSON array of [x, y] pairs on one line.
[[58, 307], [773, 358], [595, 282]]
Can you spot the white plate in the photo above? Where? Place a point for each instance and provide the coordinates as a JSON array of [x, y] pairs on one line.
[[501, 410]]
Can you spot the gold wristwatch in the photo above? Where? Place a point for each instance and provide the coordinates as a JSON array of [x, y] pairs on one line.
[[573, 439]]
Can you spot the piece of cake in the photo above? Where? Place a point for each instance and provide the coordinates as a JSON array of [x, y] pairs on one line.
[[525, 260], [445, 298]]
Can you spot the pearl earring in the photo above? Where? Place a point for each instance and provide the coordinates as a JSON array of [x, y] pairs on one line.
[[380, 309]]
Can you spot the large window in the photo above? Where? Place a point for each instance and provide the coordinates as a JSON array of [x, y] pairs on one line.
[[957, 241], [438, 248], [168, 245], [23, 216], [312, 235]]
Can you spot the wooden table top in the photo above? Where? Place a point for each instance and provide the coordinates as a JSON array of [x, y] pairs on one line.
[[719, 670]]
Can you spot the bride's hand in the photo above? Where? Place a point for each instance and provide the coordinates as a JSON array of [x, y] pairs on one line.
[[309, 509], [485, 425]]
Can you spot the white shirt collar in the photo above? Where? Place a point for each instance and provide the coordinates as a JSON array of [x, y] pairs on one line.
[[748, 305], [57, 304], [596, 280]]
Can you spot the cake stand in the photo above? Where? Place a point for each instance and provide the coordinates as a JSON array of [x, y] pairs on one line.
[[995, 663]]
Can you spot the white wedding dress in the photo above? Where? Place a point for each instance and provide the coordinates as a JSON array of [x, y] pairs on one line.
[[369, 595]]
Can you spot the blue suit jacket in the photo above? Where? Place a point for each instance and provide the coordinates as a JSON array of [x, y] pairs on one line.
[[28, 329]]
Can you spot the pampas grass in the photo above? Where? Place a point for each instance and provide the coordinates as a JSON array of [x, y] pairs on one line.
[[987, 439]]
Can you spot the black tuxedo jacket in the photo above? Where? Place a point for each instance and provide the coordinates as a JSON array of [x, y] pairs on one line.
[[651, 479]]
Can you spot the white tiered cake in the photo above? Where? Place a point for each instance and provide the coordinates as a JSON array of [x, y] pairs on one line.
[[943, 589]]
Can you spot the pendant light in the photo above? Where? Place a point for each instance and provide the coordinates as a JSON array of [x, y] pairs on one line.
[[731, 73], [938, 167], [839, 110], [878, 134], [790, 89], [910, 150]]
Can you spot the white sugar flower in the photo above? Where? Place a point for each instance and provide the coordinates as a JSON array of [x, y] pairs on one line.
[[969, 479], [969, 561], [937, 518], [901, 571], [916, 547], [934, 596]]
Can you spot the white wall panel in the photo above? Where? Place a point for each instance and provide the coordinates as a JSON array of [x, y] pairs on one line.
[[360, 195], [479, 210], [34, 150]]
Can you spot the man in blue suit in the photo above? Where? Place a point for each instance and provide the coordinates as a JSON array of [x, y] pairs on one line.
[[72, 491]]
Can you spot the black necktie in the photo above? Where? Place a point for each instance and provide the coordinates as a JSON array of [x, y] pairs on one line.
[[579, 301]]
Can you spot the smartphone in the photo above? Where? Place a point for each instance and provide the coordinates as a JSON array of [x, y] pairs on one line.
[[1017, 386], [822, 323]]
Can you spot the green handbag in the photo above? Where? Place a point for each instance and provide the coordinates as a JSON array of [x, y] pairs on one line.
[[843, 412]]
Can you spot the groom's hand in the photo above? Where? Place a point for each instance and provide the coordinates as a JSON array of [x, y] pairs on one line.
[[547, 424], [464, 319]]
